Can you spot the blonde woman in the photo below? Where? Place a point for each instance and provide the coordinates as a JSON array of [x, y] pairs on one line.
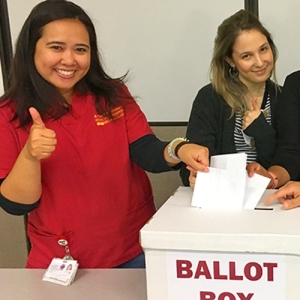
[[236, 111]]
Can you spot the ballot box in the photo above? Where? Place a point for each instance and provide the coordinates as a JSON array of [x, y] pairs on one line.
[[193, 253]]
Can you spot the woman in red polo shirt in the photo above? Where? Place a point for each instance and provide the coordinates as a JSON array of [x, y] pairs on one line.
[[76, 145]]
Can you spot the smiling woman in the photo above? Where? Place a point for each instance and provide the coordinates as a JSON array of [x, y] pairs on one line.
[[253, 59], [77, 146], [62, 55], [236, 111]]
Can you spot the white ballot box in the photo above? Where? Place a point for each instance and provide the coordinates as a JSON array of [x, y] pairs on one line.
[[193, 253]]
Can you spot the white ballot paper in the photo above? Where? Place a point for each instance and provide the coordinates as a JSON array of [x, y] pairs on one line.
[[227, 185]]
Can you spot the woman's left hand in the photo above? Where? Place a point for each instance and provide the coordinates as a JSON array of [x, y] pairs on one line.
[[255, 168], [251, 115], [195, 156]]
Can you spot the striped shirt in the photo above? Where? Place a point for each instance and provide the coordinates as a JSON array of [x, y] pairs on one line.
[[243, 142]]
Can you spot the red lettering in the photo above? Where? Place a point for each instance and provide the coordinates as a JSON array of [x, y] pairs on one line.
[[253, 271], [202, 269], [183, 268], [232, 274], [244, 297], [270, 270], [228, 296], [207, 296], [217, 274], [224, 296], [258, 271]]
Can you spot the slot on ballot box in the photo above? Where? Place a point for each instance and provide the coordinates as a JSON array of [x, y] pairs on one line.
[[193, 253]]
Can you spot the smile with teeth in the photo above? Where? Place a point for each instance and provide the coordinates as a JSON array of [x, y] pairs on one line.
[[65, 72]]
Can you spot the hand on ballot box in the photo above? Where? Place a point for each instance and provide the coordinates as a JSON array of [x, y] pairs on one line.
[[255, 168], [288, 195], [195, 157]]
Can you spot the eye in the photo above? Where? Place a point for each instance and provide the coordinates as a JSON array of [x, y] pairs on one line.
[[56, 47], [264, 49], [246, 56], [81, 49]]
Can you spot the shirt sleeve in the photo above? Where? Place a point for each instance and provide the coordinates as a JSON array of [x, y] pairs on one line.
[[9, 152], [146, 150], [148, 153], [10, 148], [136, 122], [17, 209]]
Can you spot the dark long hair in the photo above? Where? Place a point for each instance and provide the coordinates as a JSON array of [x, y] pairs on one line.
[[27, 88]]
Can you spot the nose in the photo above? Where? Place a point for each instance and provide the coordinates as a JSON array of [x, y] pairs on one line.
[[68, 57], [258, 60]]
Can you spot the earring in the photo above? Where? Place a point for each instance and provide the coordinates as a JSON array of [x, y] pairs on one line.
[[233, 71]]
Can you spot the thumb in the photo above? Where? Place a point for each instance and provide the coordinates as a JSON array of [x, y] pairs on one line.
[[254, 104], [36, 117]]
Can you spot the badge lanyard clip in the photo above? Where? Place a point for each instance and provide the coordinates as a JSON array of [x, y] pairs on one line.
[[62, 241]]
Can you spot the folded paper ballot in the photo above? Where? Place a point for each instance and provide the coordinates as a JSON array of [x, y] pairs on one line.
[[227, 185], [61, 271]]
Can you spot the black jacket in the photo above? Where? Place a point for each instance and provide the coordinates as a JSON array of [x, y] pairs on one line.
[[210, 125]]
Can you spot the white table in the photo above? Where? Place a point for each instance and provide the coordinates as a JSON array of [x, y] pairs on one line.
[[89, 284]]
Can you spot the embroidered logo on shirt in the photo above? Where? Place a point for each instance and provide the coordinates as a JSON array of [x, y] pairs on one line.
[[102, 119]]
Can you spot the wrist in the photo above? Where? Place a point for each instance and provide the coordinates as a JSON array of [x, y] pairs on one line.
[[27, 154], [174, 147], [178, 147]]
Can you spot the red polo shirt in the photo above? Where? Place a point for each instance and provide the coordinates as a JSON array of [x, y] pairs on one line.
[[93, 193]]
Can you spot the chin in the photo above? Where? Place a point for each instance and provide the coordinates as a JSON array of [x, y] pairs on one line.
[[263, 78]]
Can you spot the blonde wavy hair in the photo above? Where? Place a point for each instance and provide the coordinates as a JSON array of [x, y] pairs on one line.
[[223, 80]]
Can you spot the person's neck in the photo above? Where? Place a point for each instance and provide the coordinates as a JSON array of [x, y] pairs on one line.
[[255, 93], [68, 94], [256, 90]]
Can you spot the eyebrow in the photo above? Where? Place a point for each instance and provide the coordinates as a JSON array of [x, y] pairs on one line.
[[62, 43], [265, 44], [247, 52]]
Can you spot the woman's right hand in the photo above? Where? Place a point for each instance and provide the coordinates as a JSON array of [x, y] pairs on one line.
[[288, 195], [41, 141], [251, 114]]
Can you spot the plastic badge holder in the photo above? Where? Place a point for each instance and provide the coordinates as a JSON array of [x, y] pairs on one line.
[[61, 271]]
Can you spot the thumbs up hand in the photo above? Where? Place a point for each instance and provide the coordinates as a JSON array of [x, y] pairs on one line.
[[41, 141], [36, 118], [252, 114]]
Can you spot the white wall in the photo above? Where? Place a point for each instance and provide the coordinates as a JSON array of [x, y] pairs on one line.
[[167, 44], [283, 21]]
